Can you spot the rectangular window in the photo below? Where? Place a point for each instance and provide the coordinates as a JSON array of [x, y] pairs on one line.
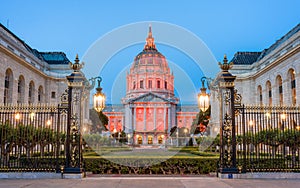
[[150, 84], [142, 84], [22, 56], [53, 94], [270, 94], [158, 83], [10, 48], [166, 85]]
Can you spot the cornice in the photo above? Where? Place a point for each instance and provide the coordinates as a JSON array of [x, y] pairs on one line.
[[26, 64]]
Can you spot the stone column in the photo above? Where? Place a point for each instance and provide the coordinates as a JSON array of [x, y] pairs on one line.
[[144, 118], [164, 118], [123, 123], [154, 111], [297, 78], [134, 118], [169, 119], [286, 91]]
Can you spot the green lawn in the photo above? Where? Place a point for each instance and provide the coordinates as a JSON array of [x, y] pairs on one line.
[[128, 152]]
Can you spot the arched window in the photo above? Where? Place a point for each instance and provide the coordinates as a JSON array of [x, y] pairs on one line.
[[21, 89], [269, 92], [166, 85], [31, 93], [292, 79], [279, 89], [133, 85], [260, 96], [158, 84], [8, 85], [40, 94]]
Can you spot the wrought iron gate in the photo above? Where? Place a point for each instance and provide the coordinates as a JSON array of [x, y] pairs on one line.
[[32, 137], [268, 139]]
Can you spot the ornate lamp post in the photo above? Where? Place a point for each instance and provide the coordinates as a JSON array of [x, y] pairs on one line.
[[227, 118], [77, 85], [99, 97], [203, 97]]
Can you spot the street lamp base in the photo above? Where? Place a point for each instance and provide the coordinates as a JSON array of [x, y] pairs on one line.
[[70, 170], [229, 170]]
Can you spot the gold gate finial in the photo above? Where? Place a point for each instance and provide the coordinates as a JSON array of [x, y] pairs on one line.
[[225, 66], [76, 66]]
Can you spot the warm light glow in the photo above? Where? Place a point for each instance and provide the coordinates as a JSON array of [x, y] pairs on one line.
[[185, 130], [283, 116], [298, 127], [162, 136], [17, 116], [268, 115], [128, 136], [32, 114], [84, 129], [48, 123], [137, 136], [251, 123], [203, 101], [99, 101], [115, 130]]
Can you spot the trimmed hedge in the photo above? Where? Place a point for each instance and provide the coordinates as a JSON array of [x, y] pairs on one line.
[[157, 165]]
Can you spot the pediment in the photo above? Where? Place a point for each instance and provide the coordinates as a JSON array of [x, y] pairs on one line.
[[149, 97]]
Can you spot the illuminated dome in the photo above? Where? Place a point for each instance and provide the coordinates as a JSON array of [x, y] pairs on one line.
[[150, 72], [150, 59]]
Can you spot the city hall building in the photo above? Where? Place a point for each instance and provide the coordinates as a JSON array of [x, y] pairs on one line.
[[150, 109]]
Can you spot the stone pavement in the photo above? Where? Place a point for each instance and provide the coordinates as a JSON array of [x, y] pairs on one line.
[[148, 182]]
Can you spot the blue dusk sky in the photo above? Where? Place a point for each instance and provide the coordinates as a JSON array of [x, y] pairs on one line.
[[193, 34]]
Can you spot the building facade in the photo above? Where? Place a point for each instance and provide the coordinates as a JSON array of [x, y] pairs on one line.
[[270, 77], [150, 108], [28, 76]]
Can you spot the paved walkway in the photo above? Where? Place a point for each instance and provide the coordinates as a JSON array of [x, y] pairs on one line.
[[148, 182]]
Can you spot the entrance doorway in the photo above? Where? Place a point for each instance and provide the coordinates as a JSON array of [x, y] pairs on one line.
[[150, 140], [140, 140], [160, 140]]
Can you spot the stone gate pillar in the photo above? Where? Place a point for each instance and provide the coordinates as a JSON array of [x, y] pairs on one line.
[[74, 139], [227, 120]]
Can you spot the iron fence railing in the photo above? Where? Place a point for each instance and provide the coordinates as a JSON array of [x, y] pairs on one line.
[[32, 137], [268, 138]]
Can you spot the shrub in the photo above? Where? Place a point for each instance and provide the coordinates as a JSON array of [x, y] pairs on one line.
[[175, 165]]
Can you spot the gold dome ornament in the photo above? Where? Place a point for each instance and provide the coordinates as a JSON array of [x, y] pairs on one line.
[[76, 66]]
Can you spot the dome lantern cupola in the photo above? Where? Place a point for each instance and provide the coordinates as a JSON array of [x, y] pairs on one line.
[[150, 41]]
